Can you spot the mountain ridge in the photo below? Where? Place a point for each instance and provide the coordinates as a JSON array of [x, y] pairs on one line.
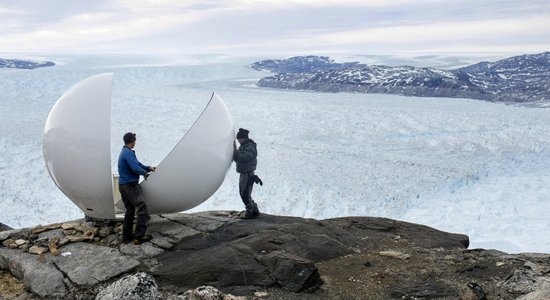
[[24, 64], [523, 78]]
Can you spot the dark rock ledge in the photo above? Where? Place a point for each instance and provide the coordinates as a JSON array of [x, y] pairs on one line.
[[272, 257]]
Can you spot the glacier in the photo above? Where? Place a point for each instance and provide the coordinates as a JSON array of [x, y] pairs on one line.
[[458, 165]]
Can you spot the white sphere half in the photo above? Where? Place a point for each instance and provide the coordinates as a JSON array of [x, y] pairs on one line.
[[77, 146]]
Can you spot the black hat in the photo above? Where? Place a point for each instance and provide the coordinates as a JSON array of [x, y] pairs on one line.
[[242, 134]]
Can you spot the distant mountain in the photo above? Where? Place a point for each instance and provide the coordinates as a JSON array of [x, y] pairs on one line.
[[24, 64], [524, 78], [301, 64]]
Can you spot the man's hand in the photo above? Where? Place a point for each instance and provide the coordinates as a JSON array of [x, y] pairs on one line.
[[153, 169]]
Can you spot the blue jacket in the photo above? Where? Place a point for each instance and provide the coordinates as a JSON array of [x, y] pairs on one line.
[[129, 168]]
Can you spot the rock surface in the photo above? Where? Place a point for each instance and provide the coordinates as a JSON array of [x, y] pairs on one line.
[[272, 257], [86, 264]]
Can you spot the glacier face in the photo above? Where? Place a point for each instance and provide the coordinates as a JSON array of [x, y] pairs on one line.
[[459, 165]]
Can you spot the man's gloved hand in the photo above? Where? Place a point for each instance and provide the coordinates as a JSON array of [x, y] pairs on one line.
[[257, 180]]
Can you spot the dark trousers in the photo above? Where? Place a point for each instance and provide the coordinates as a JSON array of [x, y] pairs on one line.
[[132, 197], [245, 190]]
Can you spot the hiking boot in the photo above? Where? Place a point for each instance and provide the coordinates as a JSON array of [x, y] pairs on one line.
[[255, 210], [126, 240], [247, 215], [143, 239]]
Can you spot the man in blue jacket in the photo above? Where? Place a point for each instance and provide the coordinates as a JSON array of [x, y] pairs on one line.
[[246, 160], [129, 170]]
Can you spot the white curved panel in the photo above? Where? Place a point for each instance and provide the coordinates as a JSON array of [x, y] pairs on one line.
[[77, 145], [196, 167]]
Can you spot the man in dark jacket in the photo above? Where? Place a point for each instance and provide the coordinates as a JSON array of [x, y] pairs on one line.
[[129, 170], [246, 159]]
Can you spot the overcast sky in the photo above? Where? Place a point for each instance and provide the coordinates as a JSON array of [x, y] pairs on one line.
[[250, 27]]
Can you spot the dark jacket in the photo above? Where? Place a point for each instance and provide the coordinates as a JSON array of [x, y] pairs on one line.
[[129, 168], [245, 157]]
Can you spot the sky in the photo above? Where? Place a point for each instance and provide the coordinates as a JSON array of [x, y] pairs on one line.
[[251, 27]]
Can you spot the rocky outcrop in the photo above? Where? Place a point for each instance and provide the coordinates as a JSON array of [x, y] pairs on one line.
[[4, 227], [271, 257], [524, 78], [532, 280], [282, 251]]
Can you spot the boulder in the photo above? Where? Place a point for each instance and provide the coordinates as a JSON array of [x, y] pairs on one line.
[[80, 238], [140, 286], [472, 291], [291, 272], [394, 254], [20, 242], [68, 226], [203, 293], [37, 250], [50, 235], [208, 293], [53, 247], [10, 243], [4, 227], [21, 233]]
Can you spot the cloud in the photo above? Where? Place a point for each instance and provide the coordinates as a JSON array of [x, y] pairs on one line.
[[257, 26], [440, 31]]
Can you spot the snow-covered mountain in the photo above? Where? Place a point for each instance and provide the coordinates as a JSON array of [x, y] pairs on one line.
[[24, 64], [524, 78]]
